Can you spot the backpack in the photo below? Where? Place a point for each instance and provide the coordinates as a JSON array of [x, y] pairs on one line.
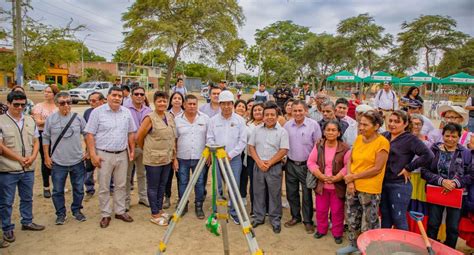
[[393, 97]]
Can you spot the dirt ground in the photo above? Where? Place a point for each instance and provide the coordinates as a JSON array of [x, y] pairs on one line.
[[142, 237]]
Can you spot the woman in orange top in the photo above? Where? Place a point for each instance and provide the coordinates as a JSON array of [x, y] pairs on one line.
[[364, 178]]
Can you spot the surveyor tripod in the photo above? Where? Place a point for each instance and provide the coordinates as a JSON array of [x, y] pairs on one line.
[[217, 222]]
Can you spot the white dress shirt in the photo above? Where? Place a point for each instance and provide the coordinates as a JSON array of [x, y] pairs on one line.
[[231, 133], [191, 136]]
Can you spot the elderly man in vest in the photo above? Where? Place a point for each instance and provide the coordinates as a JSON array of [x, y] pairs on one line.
[[19, 135]]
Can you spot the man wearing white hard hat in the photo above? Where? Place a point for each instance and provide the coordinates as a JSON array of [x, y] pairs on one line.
[[228, 129], [454, 114]]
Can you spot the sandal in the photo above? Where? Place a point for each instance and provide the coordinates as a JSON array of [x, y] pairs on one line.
[[161, 221]]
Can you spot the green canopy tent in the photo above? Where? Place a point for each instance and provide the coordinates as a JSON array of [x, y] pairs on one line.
[[380, 77], [463, 81], [343, 77], [458, 79], [419, 79]]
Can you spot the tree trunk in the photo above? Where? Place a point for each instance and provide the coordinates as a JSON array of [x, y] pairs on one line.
[[172, 65], [427, 59]]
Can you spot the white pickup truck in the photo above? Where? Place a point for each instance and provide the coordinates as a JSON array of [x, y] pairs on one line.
[[82, 92]]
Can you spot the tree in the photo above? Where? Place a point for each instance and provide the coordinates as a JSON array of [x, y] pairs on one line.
[[433, 34], [44, 45], [90, 55], [367, 36], [202, 71], [230, 54], [279, 46], [457, 60], [178, 25], [247, 79], [325, 54], [154, 57], [93, 74]]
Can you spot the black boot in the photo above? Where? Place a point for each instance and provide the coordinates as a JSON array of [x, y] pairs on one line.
[[199, 212]]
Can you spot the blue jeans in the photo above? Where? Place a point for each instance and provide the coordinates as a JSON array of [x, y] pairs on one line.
[[470, 125], [394, 204], [183, 172], [236, 165], [89, 178], [59, 175], [156, 179], [8, 183]]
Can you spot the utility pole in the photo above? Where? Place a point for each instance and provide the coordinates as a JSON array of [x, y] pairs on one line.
[[82, 56], [259, 63], [18, 42]]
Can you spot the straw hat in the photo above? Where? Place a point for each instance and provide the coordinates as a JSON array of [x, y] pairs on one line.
[[459, 110]]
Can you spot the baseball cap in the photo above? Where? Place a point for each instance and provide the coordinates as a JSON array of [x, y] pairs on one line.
[[415, 104]]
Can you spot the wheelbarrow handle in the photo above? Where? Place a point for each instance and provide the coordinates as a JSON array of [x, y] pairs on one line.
[[417, 216]]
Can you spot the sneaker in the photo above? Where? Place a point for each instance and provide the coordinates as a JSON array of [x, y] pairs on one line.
[[318, 235], [80, 217], [61, 219], [46, 193], [235, 219], [347, 250], [276, 229], [32, 227], [167, 203], [9, 236], [338, 240], [4, 244], [88, 197]]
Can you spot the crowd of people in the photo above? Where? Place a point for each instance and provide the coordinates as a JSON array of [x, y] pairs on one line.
[[343, 163]]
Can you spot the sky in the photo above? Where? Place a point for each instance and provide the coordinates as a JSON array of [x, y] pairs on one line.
[[104, 27]]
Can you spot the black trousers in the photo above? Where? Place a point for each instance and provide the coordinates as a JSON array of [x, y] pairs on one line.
[[169, 183], [296, 176], [45, 171], [435, 216]]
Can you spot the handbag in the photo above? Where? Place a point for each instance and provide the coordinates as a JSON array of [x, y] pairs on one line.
[[311, 180], [63, 132]]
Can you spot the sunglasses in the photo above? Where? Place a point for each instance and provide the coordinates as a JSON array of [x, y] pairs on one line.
[[16, 105], [139, 94], [63, 103]]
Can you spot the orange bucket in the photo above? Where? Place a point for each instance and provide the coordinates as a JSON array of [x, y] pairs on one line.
[[388, 241]]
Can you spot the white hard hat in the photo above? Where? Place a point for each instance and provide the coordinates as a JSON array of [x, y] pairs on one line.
[[363, 108], [226, 96], [458, 109]]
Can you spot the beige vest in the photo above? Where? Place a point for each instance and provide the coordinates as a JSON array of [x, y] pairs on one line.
[[19, 140], [159, 146]]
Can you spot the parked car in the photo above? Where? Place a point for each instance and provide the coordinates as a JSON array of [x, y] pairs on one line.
[[82, 92], [36, 85]]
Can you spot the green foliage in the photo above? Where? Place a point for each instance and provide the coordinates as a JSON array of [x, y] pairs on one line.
[[177, 25], [156, 57], [46, 45], [431, 33], [230, 54], [202, 71], [93, 74], [247, 79], [367, 36], [90, 55], [325, 54], [457, 60], [280, 46]]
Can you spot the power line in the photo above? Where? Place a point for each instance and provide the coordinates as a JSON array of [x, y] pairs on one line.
[[111, 42], [89, 11]]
